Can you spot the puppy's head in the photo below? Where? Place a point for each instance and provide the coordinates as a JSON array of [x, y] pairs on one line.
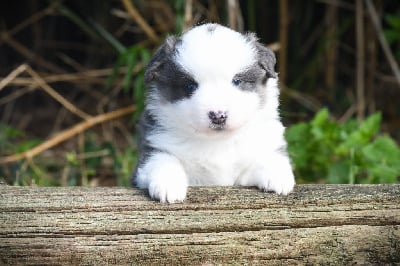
[[209, 80]]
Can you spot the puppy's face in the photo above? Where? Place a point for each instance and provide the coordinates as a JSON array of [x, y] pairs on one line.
[[211, 80]]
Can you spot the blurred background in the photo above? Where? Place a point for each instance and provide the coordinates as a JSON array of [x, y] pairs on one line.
[[71, 83]]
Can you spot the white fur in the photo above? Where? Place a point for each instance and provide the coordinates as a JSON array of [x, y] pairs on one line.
[[248, 152], [152, 176]]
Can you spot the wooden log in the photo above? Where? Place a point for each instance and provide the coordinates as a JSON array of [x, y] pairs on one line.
[[316, 224]]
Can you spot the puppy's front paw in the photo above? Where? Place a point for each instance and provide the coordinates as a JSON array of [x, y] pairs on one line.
[[164, 177], [280, 181], [279, 184], [166, 190]]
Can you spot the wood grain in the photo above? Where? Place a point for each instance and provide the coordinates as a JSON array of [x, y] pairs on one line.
[[324, 224]]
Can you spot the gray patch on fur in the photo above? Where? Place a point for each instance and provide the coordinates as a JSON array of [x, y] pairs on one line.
[[256, 76], [211, 28], [266, 56], [146, 125], [254, 79], [164, 75], [250, 77], [266, 60]]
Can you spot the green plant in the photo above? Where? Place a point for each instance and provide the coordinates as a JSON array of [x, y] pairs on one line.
[[325, 151], [179, 6], [100, 159], [134, 58], [123, 166], [13, 141]]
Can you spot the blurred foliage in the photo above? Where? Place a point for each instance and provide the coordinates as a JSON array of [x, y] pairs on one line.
[[99, 160], [101, 34], [325, 151]]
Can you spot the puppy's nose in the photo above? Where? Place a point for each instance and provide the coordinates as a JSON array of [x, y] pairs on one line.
[[218, 118]]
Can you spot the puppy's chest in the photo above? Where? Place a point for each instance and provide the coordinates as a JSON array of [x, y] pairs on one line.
[[214, 163]]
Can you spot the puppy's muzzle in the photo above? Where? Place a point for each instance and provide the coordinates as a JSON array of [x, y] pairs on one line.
[[218, 119]]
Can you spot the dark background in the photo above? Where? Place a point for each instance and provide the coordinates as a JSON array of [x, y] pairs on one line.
[[93, 52]]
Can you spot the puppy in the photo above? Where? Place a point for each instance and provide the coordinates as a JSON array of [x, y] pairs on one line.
[[211, 116]]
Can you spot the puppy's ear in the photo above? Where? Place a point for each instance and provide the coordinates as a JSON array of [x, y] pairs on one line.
[[267, 60], [162, 55]]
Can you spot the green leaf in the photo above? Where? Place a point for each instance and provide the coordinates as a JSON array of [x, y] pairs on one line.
[[392, 36], [343, 153], [297, 137], [383, 150], [393, 21], [71, 158], [321, 117], [121, 60], [364, 134], [130, 64], [383, 158], [10, 132], [297, 132], [370, 126], [338, 173], [383, 174], [28, 144], [145, 55]]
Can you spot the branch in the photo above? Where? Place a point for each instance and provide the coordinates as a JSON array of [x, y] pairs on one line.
[[66, 134], [140, 20], [360, 60], [283, 39], [28, 54], [188, 15], [13, 75], [41, 83], [381, 37], [69, 106]]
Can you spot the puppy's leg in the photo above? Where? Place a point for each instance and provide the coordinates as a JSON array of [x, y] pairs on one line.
[[274, 173], [163, 175]]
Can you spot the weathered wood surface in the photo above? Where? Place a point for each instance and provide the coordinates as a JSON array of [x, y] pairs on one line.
[[324, 224]]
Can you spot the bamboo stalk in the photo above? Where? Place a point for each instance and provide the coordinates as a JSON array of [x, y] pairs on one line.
[[371, 54], [188, 14], [232, 14], [283, 40], [360, 60], [382, 40], [331, 52]]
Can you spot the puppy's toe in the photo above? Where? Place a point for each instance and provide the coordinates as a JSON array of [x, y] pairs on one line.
[[167, 189], [165, 192], [282, 185]]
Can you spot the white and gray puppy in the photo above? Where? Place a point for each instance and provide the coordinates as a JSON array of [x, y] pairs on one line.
[[211, 116]]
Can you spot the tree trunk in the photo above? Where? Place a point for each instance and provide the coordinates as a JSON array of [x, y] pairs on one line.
[[324, 224]]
